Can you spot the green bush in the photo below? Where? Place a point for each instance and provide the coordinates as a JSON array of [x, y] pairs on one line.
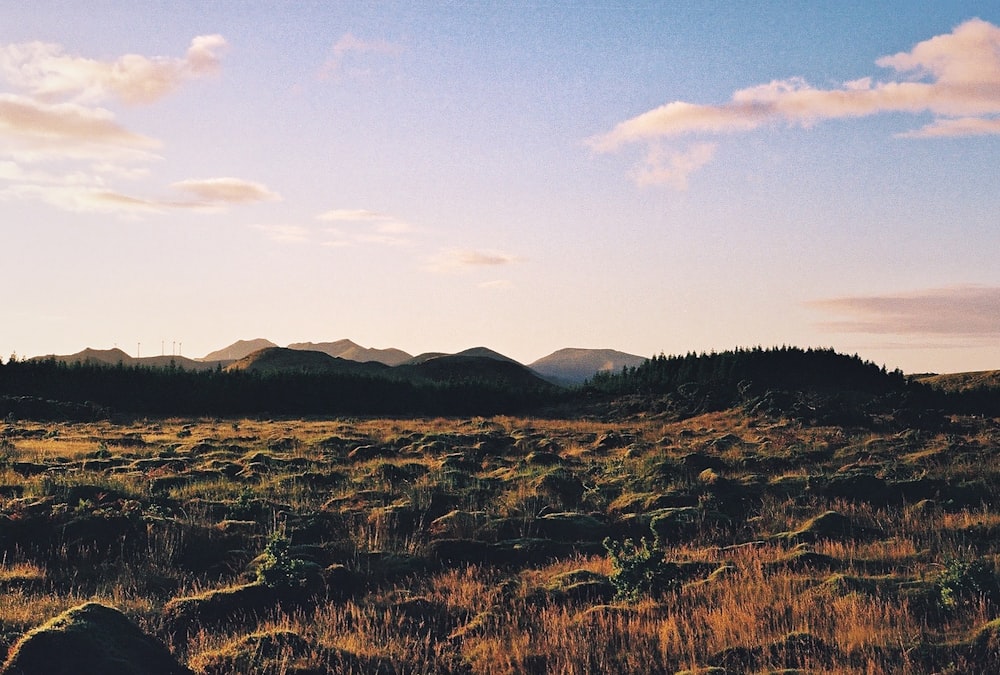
[[962, 581], [639, 570], [279, 569]]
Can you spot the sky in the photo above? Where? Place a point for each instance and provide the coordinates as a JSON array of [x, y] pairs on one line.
[[652, 177]]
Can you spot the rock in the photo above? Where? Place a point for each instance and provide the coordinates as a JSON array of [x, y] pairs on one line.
[[218, 605], [457, 523], [561, 485], [363, 453], [829, 525], [454, 551], [579, 585], [542, 458], [675, 523], [91, 639], [858, 487], [253, 652], [569, 526]]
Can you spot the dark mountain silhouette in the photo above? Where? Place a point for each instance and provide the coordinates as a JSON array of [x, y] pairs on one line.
[[422, 358], [479, 352], [285, 360], [473, 367], [469, 366], [572, 366], [238, 350], [346, 349]]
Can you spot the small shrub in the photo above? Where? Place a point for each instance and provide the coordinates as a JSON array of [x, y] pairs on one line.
[[963, 581], [279, 569], [639, 570]]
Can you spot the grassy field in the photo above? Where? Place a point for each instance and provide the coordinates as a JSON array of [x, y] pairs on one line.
[[512, 545]]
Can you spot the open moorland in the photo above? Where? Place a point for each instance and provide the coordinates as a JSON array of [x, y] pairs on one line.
[[753, 538]]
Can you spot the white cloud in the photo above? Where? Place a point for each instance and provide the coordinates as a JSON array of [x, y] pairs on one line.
[[955, 77], [47, 73]]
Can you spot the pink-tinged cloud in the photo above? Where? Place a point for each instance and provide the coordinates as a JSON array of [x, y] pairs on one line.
[[955, 77], [64, 129], [381, 222], [81, 199], [348, 45], [454, 260], [214, 191], [962, 126], [960, 311], [288, 234], [673, 168], [47, 73], [362, 215], [206, 195]]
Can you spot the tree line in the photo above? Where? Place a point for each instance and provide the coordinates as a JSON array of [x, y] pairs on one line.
[[818, 386], [81, 390]]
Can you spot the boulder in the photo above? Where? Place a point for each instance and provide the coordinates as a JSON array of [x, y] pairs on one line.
[[91, 639]]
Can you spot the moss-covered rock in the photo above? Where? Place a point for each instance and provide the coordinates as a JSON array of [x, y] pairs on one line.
[[580, 584], [218, 605], [91, 639], [829, 525]]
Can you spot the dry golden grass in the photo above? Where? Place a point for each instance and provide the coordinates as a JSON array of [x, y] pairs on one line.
[[174, 494]]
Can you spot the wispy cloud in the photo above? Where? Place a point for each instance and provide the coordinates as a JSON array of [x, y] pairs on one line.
[[955, 77], [31, 130], [663, 167], [959, 311], [456, 260], [80, 198], [47, 73], [59, 146], [87, 195], [352, 215], [285, 233], [218, 191], [348, 47], [367, 227], [497, 285], [380, 222]]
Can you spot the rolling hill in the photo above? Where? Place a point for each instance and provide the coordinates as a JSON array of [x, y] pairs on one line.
[[572, 366], [963, 381], [346, 349], [273, 360], [238, 350]]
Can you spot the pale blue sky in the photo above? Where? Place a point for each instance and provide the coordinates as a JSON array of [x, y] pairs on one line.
[[433, 176]]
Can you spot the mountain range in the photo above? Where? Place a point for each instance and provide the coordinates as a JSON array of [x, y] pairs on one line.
[[566, 367]]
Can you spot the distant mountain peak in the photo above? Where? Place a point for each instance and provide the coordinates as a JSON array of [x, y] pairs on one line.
[[574, 365], [238, 350], [351, 351]]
